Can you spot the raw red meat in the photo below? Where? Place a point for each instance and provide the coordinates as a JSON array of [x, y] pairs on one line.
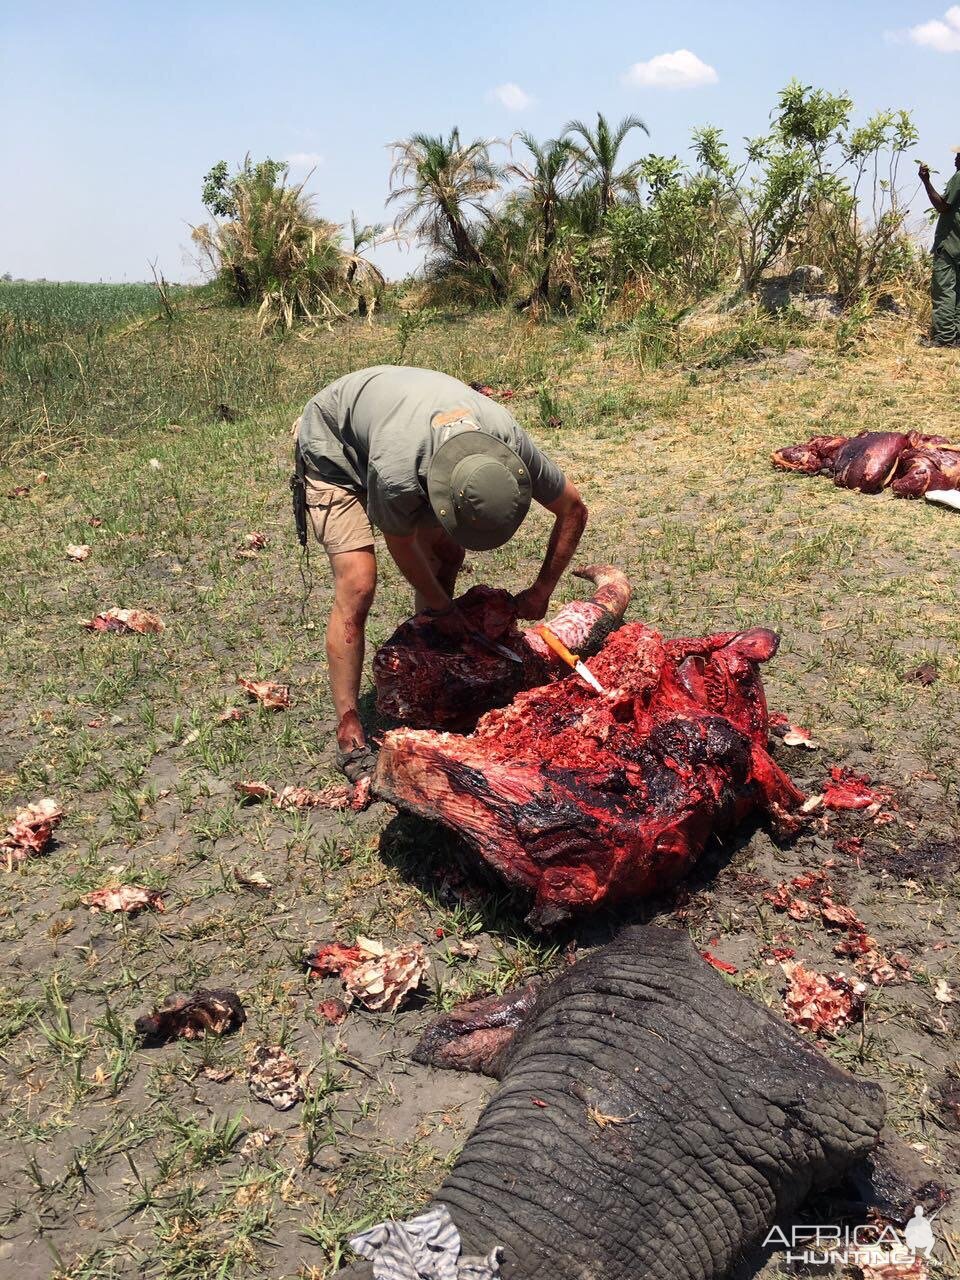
[[584, 800], [909, 462], [868, 461], [425, 679], [812, 458], [821, 1002], [929, 467], [845, 789]]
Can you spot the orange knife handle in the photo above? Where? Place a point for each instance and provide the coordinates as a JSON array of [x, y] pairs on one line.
[[557, 645]]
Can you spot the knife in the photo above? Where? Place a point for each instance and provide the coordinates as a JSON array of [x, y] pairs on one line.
[[478, 638], [561, 650]]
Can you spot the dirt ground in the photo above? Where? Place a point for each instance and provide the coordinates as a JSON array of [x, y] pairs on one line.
[[121, 1160]]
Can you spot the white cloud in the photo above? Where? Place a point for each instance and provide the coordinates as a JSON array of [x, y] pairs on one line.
[[304, 159], [942, 34], [679, 70], [511, 96]]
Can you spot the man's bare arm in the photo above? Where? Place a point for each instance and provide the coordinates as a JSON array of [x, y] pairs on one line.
[[934, 196], [570, 521]]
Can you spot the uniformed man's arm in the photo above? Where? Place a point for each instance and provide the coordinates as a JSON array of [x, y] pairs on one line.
[[934, 196], [570, 520]]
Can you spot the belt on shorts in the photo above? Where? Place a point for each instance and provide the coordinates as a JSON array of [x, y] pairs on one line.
[[298, 488]]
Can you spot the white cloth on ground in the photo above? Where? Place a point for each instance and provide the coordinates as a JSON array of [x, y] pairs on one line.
[[944, 497], [425, 1248]]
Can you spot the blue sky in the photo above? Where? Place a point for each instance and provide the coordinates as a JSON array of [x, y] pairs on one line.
[[113, 112]]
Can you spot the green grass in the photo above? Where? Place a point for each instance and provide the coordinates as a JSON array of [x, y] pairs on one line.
[[124, 1160], [48, 306]]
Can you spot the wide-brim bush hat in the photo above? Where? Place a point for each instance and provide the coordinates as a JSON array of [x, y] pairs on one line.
[[479, 488]]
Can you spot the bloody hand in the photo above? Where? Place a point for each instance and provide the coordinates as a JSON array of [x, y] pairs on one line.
[[450, 622], [532, 603]]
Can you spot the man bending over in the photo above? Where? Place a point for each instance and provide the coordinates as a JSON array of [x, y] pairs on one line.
[[438, 468]]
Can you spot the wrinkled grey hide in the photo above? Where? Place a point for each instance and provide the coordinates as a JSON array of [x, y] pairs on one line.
[[681, 1120]]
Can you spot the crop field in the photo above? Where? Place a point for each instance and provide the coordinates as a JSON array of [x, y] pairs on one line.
[[49, 306], [161, 445], [78, 362]]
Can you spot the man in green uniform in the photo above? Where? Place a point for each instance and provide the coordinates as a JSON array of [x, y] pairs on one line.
[[437, 467], [946, 257]]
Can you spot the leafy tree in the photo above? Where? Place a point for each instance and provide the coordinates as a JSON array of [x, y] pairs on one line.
[[600, 154], [442, 182], [852, 168], [806, 178], [220, 187], [768, 190], [683, 235]]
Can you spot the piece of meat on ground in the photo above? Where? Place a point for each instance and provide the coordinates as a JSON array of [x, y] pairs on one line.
[[911, 463], [475, 1036], [868, 461], [651, 1122], [811, 458], [426, 679], [584, 800], [927, 467]]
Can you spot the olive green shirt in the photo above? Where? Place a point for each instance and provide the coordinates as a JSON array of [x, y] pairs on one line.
[[946, 238], [374, 433]]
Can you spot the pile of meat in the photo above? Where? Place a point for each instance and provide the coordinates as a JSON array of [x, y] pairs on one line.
[[583, 799], [909, 463], [426, 679]]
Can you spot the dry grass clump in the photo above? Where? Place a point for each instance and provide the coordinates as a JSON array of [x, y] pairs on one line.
[[274, 250]]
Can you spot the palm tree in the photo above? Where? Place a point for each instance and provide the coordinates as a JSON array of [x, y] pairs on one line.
[[362, 237], [442, 180], [600, 150], [364, 276], [549, 178]]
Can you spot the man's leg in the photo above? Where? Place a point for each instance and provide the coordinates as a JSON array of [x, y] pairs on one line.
[[354, 585], [944, 295], [341, 526], [444, 556]]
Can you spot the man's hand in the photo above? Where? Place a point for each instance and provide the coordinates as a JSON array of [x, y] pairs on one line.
[[935, 198], [532, 604], [450, 623]]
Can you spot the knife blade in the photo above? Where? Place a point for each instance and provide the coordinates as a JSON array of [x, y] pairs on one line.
[[494, 647]]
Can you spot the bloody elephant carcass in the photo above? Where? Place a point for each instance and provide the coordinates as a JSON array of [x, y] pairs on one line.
[[583, 800], [431, 681], [652, 1122]]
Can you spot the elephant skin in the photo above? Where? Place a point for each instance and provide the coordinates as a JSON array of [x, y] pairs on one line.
[[651, 1124]]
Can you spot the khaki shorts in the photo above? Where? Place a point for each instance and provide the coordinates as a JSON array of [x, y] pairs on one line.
[[339, 518]]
